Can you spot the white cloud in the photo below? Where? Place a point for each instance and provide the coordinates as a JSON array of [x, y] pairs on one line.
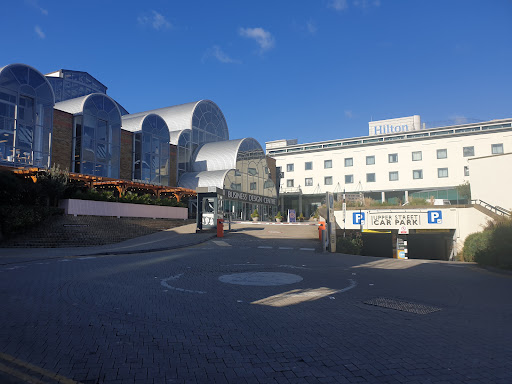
[[217, 53], [348, 113], [339, 5], [39, 32], [35, 4], [264, 38], [311, 27], [459, 119], [155, 20]]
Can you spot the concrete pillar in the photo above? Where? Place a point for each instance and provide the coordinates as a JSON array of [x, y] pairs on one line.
[[300, 204], [406, 197], [282, 205], [383, 196]]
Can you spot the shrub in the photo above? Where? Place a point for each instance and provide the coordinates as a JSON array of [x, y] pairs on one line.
[[418, 201], [255, 213], [19, 218], [474, 243], [498, 251], [349, 245]]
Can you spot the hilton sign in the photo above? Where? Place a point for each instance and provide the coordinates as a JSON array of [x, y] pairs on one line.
[[403, 124]]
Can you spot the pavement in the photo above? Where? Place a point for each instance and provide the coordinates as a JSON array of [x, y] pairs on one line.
[[263, 304]]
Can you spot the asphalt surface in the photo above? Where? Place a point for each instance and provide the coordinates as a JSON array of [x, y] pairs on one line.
[[263, 304]]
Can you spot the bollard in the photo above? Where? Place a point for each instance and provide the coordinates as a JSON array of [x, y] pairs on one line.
[[220, 228], [321, 227]]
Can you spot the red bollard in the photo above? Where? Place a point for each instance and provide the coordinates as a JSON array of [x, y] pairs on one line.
[[321, 227], [220, 228]]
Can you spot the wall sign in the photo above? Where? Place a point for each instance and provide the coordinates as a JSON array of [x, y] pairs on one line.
[[249, 197]]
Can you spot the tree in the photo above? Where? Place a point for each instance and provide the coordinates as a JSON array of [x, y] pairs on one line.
[[464, 190]]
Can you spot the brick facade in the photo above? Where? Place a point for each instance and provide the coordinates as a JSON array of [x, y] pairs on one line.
[[62, 139], [125, 167], [173, 165]]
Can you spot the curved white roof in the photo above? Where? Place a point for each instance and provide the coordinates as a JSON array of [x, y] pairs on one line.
[[216, 156], [174, 136], [76, 106], [134, 123], [177, 117], [194, 180]]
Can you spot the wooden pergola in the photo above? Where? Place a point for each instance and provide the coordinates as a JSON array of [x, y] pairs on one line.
[[120, 185]]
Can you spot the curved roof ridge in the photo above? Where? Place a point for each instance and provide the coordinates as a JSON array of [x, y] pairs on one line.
[[76, 105], [35, 70]]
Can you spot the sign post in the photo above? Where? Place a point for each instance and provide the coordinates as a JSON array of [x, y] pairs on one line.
[[331, 221]]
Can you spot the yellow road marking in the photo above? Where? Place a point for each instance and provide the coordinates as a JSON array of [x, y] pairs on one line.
[[35, 368]]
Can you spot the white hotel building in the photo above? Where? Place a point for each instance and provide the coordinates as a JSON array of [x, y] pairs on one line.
[[400, 159]]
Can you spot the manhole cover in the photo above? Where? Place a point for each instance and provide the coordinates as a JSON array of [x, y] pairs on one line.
[[400, 305], [261, 278]]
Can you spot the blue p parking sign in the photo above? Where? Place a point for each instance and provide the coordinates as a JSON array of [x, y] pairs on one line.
[[435, 217], [357, 217]]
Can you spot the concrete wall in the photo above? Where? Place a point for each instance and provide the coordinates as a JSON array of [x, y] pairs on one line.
[[491, 179], [104, 208]]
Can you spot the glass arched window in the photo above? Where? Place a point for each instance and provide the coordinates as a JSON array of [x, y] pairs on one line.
[[208, 124], [97, 137], [184, 152], [26, 116], [151, 157]]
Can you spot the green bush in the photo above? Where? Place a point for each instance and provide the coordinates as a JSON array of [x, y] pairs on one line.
[[349, 245], [418, 201], [474, 243], [498, 252]]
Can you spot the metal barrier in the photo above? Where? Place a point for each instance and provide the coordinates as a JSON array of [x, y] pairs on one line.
[[498, 210]]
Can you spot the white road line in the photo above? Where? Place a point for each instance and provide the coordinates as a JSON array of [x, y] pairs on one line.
[[86, 258], [307, 249], [221, 243], [285, 248], [64, 260], [163, 282], [353, 284], [264, 247]]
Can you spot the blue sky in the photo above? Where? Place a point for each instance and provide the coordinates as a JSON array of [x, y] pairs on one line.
[[312, 70]]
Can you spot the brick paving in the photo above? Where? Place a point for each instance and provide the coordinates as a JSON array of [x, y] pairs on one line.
[[109, 319]]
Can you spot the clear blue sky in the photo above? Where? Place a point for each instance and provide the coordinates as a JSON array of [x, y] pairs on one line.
[[312, 70]]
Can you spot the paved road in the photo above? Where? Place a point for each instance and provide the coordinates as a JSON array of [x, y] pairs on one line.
[[261, 305]]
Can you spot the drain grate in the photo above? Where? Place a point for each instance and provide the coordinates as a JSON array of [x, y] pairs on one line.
[[400, 305]]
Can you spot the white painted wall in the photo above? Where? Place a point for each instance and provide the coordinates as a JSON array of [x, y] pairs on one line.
[[491, 179], [104, 208], [464, 221], [455, 162]]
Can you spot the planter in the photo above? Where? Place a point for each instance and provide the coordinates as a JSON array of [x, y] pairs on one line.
[[278, 220], [256, 218]]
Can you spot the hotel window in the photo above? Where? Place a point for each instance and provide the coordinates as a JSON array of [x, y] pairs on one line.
[[393, 157], [497, 149], [466, 170], [442, 153], [252, 171], [349, 161], [370, 160], [308, 165], [349, 179], [327, 164], [252, 186], [442, 172], [393, 176], [417, 174], [289, 183], [289, 167], [308, 182], [416, 156], [468, 151], [328, 180], [370, 177]]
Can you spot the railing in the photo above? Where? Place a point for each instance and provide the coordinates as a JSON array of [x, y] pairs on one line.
[[498, 210]]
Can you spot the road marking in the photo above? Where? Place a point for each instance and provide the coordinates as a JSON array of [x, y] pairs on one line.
[[64, 260], [34, 368], [221, 243], [307, 249], [86, 257], [264, 247], [285, 248], [353, 284], [163, 282]]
